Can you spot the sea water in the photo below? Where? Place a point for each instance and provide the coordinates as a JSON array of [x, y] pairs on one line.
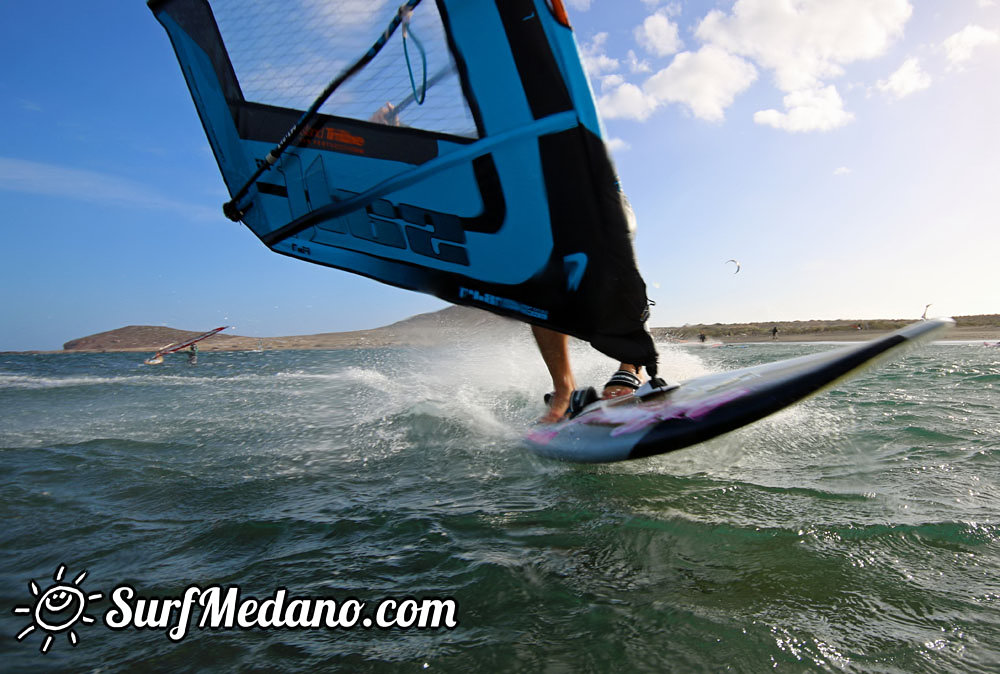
[[857, 531]]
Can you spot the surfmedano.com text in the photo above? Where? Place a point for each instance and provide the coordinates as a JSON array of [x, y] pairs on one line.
[[224, 608]]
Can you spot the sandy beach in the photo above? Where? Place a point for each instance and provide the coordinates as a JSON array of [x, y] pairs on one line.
[[959, 333]]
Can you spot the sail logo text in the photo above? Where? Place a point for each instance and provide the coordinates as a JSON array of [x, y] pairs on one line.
[[434, 235], [329, 138], [502, 303]]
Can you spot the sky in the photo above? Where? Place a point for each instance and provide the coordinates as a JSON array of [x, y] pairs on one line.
[[846, 152]]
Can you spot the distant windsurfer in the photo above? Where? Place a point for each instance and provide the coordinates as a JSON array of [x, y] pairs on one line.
[[774, 333], [191, 344]]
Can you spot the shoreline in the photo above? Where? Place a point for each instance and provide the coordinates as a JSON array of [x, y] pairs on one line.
[[341, 341], [457, 324], [957, 334]]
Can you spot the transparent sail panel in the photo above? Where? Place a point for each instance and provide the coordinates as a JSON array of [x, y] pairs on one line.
[[285, 54]]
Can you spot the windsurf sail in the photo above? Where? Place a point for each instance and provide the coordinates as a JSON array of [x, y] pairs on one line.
[[451, 147], [185, 344]]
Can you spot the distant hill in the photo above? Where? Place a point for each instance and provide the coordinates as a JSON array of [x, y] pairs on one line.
[[452, 323], [144, 337]]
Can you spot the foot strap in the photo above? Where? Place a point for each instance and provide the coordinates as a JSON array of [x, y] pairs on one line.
[[656, 385], [624, 378], [578, 400]]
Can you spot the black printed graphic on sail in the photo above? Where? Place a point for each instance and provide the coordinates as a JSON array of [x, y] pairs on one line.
[[434, 235]]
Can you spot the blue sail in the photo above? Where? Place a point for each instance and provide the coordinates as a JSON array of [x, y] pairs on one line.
[[451, 147]]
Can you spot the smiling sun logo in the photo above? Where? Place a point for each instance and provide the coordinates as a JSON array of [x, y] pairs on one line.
[[57, 609]]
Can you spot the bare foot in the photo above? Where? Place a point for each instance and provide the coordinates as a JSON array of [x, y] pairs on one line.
[[558, 404], [615, 390]]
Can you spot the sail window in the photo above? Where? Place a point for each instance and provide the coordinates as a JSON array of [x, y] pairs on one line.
[[285, 53]]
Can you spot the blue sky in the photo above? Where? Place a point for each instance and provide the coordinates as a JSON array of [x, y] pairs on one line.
[[846, 152]]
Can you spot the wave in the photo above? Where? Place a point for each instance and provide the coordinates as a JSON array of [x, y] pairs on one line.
[[28, 382]]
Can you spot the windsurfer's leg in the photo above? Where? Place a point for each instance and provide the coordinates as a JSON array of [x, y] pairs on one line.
[[626, 380], [554, 347]]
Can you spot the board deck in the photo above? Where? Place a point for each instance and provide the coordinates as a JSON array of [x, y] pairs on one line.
[[704, 407]]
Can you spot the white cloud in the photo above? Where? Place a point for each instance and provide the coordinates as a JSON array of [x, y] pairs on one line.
[[595, 61], [626, 102], [806, 41], [21, 175], [959, 47], [617, 145], [705, 81], [909, 79], [819, 109], [637, 66], [612, 81], [658, 35], [841, 171]]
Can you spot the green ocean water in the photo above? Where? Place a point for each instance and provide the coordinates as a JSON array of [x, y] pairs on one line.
[[857, 531]]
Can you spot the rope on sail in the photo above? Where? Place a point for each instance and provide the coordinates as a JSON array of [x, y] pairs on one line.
[[419, 98]]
